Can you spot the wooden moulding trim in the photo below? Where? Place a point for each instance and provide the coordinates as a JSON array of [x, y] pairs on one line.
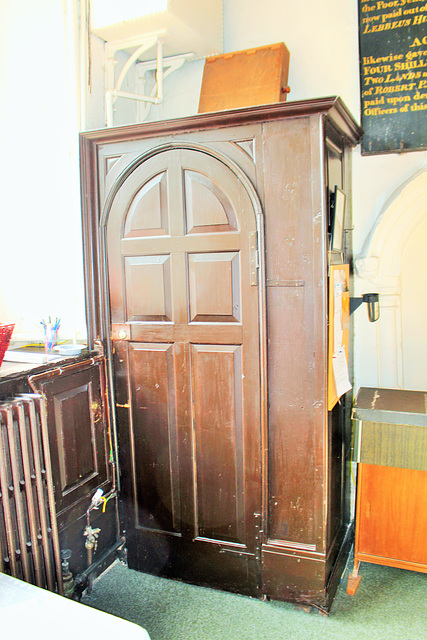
[[90, 214], [333, 107], [37, 378], [392, 562], [301, 551]]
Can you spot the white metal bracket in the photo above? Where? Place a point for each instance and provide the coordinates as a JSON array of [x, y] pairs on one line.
[[169, 65], [142, 44]]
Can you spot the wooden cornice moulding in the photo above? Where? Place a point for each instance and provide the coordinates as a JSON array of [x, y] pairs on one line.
[[331, 107]]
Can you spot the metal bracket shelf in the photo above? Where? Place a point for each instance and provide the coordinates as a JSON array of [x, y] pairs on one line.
[[163, 66]]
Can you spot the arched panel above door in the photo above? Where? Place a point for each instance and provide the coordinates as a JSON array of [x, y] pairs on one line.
[[207, 206], [147, 213]]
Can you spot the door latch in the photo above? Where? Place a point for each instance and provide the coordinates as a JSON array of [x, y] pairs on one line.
[[120, 332], [254, 258]]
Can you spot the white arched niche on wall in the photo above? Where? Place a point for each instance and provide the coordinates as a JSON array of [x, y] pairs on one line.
[[392, 353]]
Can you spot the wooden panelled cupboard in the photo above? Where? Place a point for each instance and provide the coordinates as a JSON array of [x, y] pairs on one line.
[[206, 251]]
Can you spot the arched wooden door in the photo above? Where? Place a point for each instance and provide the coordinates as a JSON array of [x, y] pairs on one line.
[[185, 326]]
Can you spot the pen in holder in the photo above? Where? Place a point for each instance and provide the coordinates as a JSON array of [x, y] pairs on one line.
[[50, 330]]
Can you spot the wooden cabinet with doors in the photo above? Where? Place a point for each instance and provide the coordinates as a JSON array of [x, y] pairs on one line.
[[206, 242], [55, 447], [81, 456]]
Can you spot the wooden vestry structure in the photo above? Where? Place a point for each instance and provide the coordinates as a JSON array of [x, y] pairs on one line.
[[206, 247]]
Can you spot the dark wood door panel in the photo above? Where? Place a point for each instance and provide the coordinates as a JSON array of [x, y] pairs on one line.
[[207, 208], [185, 319], [217, 408], [214, 287], [78, 435], [295, 266], [216, 456], [147, 211], [77, 454], [148, 288], [155, 470]]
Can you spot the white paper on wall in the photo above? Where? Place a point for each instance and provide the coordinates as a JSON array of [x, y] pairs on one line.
[[340, 369]]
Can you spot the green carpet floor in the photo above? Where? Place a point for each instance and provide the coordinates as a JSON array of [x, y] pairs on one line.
[[389, 604]]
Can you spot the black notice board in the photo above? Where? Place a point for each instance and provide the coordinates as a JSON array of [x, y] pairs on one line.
[[393, 75]]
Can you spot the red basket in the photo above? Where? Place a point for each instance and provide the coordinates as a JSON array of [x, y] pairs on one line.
[[6, 331]]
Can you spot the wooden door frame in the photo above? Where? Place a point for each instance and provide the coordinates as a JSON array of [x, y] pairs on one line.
[[262, 320]]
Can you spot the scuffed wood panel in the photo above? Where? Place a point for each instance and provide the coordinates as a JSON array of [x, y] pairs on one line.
[[155, 454], [218, 436], [293, 292]]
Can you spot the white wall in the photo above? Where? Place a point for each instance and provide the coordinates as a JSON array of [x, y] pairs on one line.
[[323, 40], [40, 232], [321, 36], [414, 310]]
